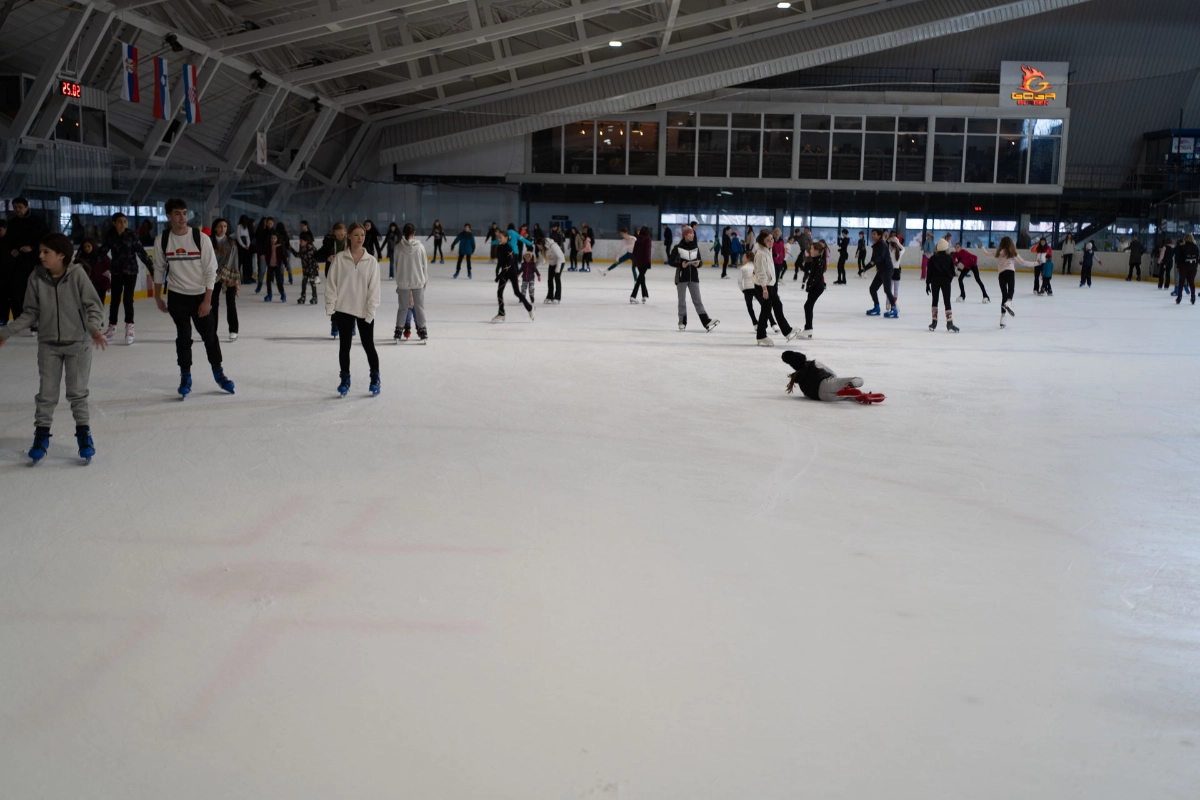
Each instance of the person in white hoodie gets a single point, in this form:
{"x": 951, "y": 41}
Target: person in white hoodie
{"x": 412, "y": 276}
{"x": 351, "y": 299}
{"x": 767, "y": 290}
{"x": 553, "y": 254}
{"x": 185, "y": 259}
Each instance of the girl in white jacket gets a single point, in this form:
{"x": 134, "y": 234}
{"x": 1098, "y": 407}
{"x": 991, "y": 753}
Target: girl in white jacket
{"x": 412, "y": 276}
{"x": 747, "y": 285}
{"x": 1007, "y": 259}
{"x": 351, "y": 298}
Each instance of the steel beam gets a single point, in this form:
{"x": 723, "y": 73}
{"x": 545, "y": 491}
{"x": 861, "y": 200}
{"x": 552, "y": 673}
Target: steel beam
{"x": 47, "y": 76}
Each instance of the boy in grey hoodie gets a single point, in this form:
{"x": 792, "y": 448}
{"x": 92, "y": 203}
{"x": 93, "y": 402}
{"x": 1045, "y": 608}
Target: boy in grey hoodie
{"x": 63, "y": 304}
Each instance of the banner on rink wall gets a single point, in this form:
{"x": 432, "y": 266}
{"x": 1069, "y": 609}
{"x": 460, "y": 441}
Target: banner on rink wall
{"x": 1033, "y": 83}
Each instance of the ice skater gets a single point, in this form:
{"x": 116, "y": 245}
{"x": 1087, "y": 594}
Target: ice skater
{"x": 881, "y": 259}
{"x": 814, "y": 283}
{"x": 529, "y": 272}
{"x": 310, "y": 267}
{"x": 412, "y": 277}
{"x": 351, "y": 300}
{"x": 185, "y": 257}
{"x": 506, "y": 273}
{"x": 62, "y": 302}
{"x": 685, "y": 258}
{"x": 465, "y": 243}
{"x": 1189, "y": 258}
{"x": 748, "y": 287}
{"x": 766, "y": 290}
{"x": 1166, "y": 262}
{"x": 1089, "y": 256}
{"x": 555, "y": 261}
{"x": 438, "y": 234}
{"x": 277, "y": 257}
{"x": 642, "y": 250}
{"x": 818, "y": 382}
{"x": 1006, "y": 269}
{"x": 229, "y": 277}
{"x": 627, "y": 244}
{"x": 843, "y": 243}
{"x": 939, "y": 276}
{"x": 1042, "y": 252}
{"x": 860, "y": 253}
{"x": 968, "y": 264}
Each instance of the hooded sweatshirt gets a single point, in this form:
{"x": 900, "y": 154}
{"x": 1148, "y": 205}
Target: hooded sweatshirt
{"x": 412, "y": 271}
{"x": 352, "y": 288}
{"x": 941, "y": 267}
{"x": 67, "y": 310}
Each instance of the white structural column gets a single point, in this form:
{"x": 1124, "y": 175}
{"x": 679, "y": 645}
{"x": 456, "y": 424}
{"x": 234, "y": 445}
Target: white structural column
{"x": 672, "y": 12}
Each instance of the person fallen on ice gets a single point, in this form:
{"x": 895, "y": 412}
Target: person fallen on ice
{"x": 818, "y": 382}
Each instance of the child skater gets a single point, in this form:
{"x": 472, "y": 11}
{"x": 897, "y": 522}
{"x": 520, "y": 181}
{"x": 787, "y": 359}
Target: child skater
{"x": 1089, "y": 256}
{"x": 528, "y": 271}
{"x": 310, "y": 268}
{"x": 62, "y": 302}
{"x": 818, "y": 382}
{"x": 1006, "y": 268}
{"x": 97, "y": 266}
{"x": 814, "y": 283}
{"x": 465, "y": 242}
{"x": 277, "y": 255}
{"x": 1047, "y": 273}
{"x": 746, "y": 284}
{"x": 351, "y": 299}
{"x": 412, "y": 276}
{"x": 939, "y": 277}
{"x": 506, "y": 272}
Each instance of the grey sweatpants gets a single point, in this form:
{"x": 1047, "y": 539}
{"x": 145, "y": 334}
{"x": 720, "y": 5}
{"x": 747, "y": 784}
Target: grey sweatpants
{"x": 829, "y": 387}
{"x": 54, "y": 360}
{"x": 694, "y": 288}
{"x": 418, "y": 306}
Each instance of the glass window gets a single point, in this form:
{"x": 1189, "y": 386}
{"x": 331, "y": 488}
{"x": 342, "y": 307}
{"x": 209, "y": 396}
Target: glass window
{"x": 823, "y": 222}
{"x": 951, "y": 125}
{"x": 910, "y": 156}
{"x": 579, "y": 147}
{"x": 913, "y": 124}
{"x": 95, "y": 127}
{"x": 747, "y": 121}
{"x": 681, "y": 119}
{"x": 777, "y": 154}
{"x": 878, "y": 152}
{"x": 847, "y": 157}
{"x": 67, "y": 129}
{"x": 947, "y": 158}
{"x": 714, "y": 120}
{"x": 681, "y": 151}
{"x": 847, "y": 123}
{"x": 743, "y": 154}
{"x": 1013, "y": 127}
{"x": 884, "y": 223}
{"x": 547, "y": 150}
{"x": 713, "y": 150}
{"x": 1043, "y": 160}
{"x": 810, "y": 122}
{"x": 981, "y": 159}
{"x": 814, "y": 155}
{"x": 731, "y": 219}
{"x": 916, "y": 224}
{"x": 643, "y": 148}
{"x": 856, "y": 222}
{"x": 610, "y": 148}
{"x": 778, "y": 122}
{"x": 759, "y": 219}
{"x": 881, "y": 124}
{"x": 1011, "y": 157}
{"x": 1047, "y": 127}
{"x": 981, "y": 126}
{"x": 1004, "y": 225}
{"x": 975, "y": 224}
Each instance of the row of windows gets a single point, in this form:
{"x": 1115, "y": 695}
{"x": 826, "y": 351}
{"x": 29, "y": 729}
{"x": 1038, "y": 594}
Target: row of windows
{"x": 82, "y": 125}
{"x": 831, "y": 147}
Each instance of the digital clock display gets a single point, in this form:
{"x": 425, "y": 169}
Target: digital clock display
{"x": 70, "y": 89}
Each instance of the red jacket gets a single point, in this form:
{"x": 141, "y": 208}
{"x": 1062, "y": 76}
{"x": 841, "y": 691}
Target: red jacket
{"x": 642, "y": 250}
{"x": 965, "y": 258}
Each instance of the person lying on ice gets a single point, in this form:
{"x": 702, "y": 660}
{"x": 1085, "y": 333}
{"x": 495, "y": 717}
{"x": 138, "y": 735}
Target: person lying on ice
{"x": 816, "y": 381}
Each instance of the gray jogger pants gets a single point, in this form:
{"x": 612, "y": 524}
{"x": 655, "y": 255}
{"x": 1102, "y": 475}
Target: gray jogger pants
{"x": 418, "y": 306}
{"x": 75, "y": 360}
{"x": 694, "y": 288}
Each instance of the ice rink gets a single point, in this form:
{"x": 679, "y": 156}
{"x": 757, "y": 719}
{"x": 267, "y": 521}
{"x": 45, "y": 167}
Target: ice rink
{"x": 591, "y": 556}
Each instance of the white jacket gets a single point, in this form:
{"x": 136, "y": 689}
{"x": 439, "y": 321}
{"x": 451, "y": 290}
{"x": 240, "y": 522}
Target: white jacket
{"x": 412, "y": 265}
{"x": 352, "y": 288}
{"x": 1068, "y": 248}
{"x": 745, "y": 277}
{"x": 764, "y": 267}
{"x": 554, "y": 254}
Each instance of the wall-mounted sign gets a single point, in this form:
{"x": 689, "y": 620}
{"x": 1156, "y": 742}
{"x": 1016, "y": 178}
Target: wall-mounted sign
{"x": 1184, "y": 145}
{"x": 70, "y": 89}
{"x": 1033, "y": 83}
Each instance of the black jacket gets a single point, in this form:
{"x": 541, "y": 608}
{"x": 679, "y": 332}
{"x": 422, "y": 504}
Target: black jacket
{"x": 843, "y": 246}
{"x": 1136, "y": 250}
{"x": 941, "y": 267}
{"x": 1189, "y": 255}
{"x": 27, "y": 231}
{"x": 726, "y": 245}
{"x": 814, "y": 271}
{"x": 881, "y": 257}
{"x": 681, "y": 254}
{"x": 806, "y": 374}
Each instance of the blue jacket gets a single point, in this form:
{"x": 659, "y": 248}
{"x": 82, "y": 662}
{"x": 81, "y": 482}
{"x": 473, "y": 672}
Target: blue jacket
{"x": 735, "y": 246}
{"x": 514, "y": 240}
{"x": 467, "y": 240}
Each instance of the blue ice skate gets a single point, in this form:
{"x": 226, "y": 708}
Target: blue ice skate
{"x": 873, "y": 312}
{"x": 185, "y": 385}
{"x": 87, "y": 448}
{"x": 222, "y": 381}
{"x": 344, "y": 386}
{"x": 41, "y": 443}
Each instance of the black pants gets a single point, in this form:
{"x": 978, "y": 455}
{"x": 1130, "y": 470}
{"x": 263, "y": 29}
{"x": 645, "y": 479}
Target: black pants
{"x": 1134, "y": 265}
{"x": 230, "y": 306}
{"x": 123, "y": 288}
{"x": 962, "y": 292}
{"x": 274, "y": 274}
{"x": 1085, "y": 274}
{"x": 1164, "y": 276}
{"x": 458, "y": 267}
{"x": 1187, "y": 283}
{"x": 1067, "y": 259}
{"x": 815, "y": 290}
{"x": 246, "y": 260}
{"x": 554, "y": 283}
{"x": 366, "y": 333}
{"x": 941, "y": 285}
{"x": 510, "y": 275}
{"x": 749, "y": 295}
{"x": 841, "y": 278}
{"x": 437, "y": 250}
{"x": 724, "y": 263}
{"x": 1037, "y": 279}
{"x": 391, "y": 255}
{"x": 18, "y": 283}
{"x": 1046, "y": 285}
{"x": 305, "y": 282}
{"x": 769, "y": 307}
{"x": 862, "y": 262}
{"x": 1008, "y": 285}
{"x": 185, "y": 312}
{"x": 574, "y": 256}
{"x": 884, "y": 280}
{"x": 640, "y": 281}
{"x": 587, "y": 261}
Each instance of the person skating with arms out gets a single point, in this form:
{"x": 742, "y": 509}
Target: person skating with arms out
{"x": 968, "y": 264}
{"x": 1089, "y": 257}
{"x": 184, "y": 257}
{"x": 506, "y": 273}
{"x": 61, "y": 300}
{"x": 881, "y": 259}
{"x": 351, "y": 300}
{"x": 1007, "y": 259}
{"x": 465, "y": 243}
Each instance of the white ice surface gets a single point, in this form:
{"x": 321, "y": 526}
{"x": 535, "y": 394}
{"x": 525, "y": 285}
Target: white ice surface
{"x": 592, "y": 556}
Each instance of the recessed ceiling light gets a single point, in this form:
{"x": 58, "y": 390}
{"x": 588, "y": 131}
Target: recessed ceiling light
{"x": 614, "y": 43}
{"x": 783, "y": 5}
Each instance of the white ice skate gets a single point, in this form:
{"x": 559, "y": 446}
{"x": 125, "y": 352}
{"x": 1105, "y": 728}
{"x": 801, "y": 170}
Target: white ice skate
{"x": 128, "y": 334}
{"x": 766, "y": 341}
{"x": 233, "y": 337}
{"x": 498, "y": 318}
{"x": 531, "y": 313}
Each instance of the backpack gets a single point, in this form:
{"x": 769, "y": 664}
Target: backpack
{"x": 166, "y": 237}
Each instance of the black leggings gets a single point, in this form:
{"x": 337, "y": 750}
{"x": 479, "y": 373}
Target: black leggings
{"x": 1067, "y": 259}
{"x": 641, "y": 281}
{"x": 941, "y": 285}
{"x": 1085, "y": 274}
{"x": 962, "y": 292}
{"x": 508, "y": 275}
{"x": 724, "y": 263}
{"x": 458, "y": 267}
{"x": 842, "y": 267}
{"x": 437, "y": 250}
{"x": 230, "y": 306}
{"x": 554, "y": 283}
{"x": 123, "y": 288}
{"x": 862, "y": 262}
{"x": 366, "y": 334}
{"x": 1008, "y": 285}
{"x": 886, "y": 283}
{"x": 1187, "y": 283}
{"x": 587, "y": 261}
{"x": 275, "y": 274}
{"x": 749, "y": 295}
{"x": 815, "y": 290}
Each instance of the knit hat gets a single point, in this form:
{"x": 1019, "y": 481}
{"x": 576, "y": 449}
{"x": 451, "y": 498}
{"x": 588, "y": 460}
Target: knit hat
{"x": 685, "y": 230}
{"x": 942, "y": 245}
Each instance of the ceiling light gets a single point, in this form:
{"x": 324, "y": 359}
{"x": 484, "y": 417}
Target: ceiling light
{"x": 726, "y": 193}
{"x": 783, "y": 5}
{"x": 614, "y": 43}
{"x": 599, "y": 203}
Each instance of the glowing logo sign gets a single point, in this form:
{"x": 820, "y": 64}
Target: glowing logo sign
{"x": 1037, "y": 84}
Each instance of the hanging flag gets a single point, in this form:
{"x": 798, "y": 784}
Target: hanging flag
{"x": 162, "y": 92}
{"x": 129, "y": 88}
{"x": 191, "y": 94}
